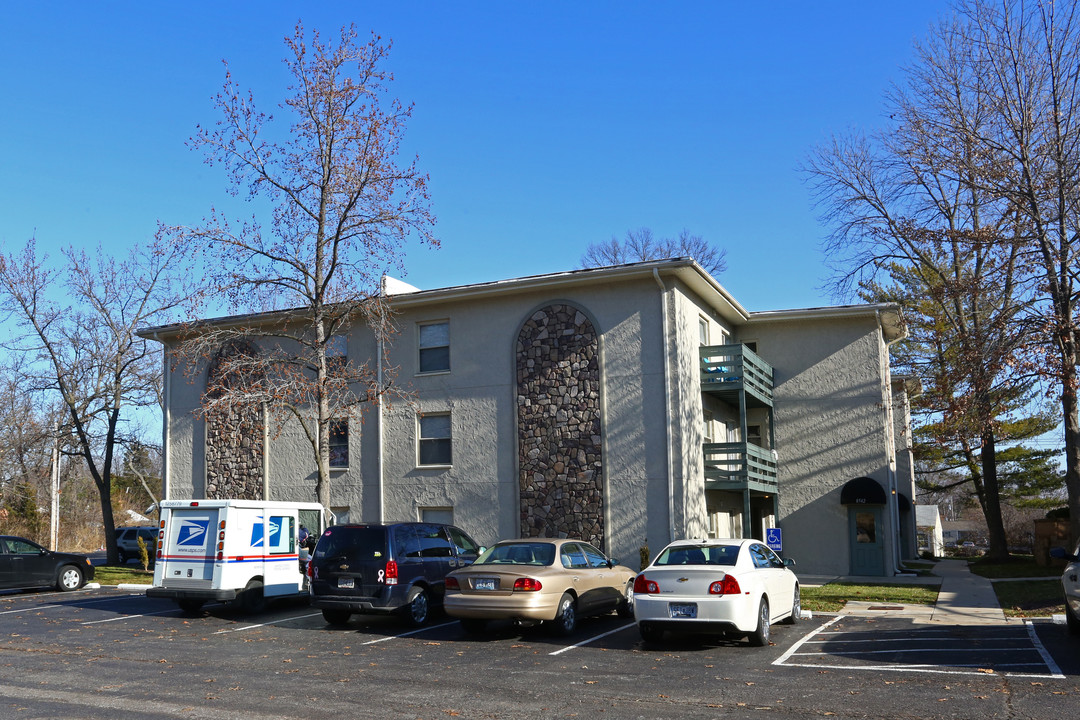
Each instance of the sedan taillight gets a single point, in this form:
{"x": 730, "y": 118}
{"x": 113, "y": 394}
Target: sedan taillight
{"x": 728, "y": 586}
{"x": 527, "y": 584}
{"x": 644, "y": 586}
{"x": 452, "y": 583}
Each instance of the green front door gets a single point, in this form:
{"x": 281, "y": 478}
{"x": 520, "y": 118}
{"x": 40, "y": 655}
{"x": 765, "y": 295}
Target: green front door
{"x": 867, "y": 540}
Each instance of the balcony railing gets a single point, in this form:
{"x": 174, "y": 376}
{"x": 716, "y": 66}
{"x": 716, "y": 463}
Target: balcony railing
{"x": 735, "y": 466}
{"x": 736, "y": 367}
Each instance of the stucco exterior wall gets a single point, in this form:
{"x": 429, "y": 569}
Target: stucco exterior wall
{"x": 830, "y": 407}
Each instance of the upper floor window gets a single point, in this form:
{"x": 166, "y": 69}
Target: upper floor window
{"x": 339, "y": 443}
{"x": 435, "y": 440}
{"x": 337, "y": 352}
{"x": 703, "y": 331}
{"x": 434, "y": 338}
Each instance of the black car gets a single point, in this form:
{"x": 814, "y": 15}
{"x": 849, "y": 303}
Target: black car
{"x": 25, "y": 564}
{"x": 386, "y": 568}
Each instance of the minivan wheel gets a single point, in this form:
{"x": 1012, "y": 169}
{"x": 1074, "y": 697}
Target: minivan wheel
{"x": 121, "y": 557}
{"x": 416, "y": 611}
{"x": 336, "y": 617}
{"x": 566, "y": 619}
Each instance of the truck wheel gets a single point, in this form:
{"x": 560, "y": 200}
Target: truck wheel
{"x": 70, "y": 578}
{"x": 416, "y": 611}
{"x": 251, "y": 597}
{"x": 336, "y": 617}
{"x": 191, "y": 607}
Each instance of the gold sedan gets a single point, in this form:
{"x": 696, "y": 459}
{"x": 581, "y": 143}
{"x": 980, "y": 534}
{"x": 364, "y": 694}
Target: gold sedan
{"x": 536, "y": 580}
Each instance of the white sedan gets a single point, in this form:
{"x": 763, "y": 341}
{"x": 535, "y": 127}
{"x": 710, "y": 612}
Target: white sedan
{"x": 725, "y": 587}
{"x": 1070, "y": 586}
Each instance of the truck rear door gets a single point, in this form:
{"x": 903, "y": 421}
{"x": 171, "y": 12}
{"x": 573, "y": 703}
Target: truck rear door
{"x": 189, "y": 549}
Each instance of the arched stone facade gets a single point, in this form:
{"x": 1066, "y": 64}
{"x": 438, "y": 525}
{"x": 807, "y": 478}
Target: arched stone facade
{"x": 234, "y": 440}
{"x": 558, "y": 421}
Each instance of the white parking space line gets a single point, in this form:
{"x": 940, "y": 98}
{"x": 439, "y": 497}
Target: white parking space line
{"x": 411, "y": 632}
{"x": 81, "y": 602}
{"x": 592, "y": 639}
{"x": 274, "y": 622}
{"x": 1050, "y": 664}
{"x": 129, "y": 617}
{"x": 801, "y": 649}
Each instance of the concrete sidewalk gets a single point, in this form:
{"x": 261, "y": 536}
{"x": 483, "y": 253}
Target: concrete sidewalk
{"x": 963, "y": 597}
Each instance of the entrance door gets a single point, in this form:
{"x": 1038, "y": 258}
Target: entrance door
{"x": 867, "y": 540}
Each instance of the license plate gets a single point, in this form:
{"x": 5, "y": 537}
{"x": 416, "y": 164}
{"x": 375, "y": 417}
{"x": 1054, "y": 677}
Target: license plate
{"x": 346, "y": 583}
{"x": 682, "y": 611}
{"x": 485, "y": 584}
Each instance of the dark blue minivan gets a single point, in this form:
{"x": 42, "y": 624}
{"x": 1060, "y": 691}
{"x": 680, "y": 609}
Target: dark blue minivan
{"x": 386, "y": 568}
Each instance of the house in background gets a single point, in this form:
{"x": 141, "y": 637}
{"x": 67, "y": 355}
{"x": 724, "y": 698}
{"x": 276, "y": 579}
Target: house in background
{"x": 931, "y": 535}
{"x": 628, "y": 406}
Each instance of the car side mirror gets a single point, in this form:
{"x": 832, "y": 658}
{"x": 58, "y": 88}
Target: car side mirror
{"x": 788, "y": 562}
{"x": 612, "y": 562}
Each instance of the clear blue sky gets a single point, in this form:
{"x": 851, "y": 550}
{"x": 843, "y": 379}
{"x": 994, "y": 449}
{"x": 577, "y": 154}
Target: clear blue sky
{"x": 543, "y": 126}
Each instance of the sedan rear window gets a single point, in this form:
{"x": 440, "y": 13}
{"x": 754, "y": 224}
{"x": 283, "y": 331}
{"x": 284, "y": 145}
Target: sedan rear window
{"x": 706, "y": 555}
{"x": 519, "y": 554}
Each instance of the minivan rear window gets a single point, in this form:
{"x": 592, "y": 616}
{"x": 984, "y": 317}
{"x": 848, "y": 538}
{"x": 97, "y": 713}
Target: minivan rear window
{"x": 361, "y": 543}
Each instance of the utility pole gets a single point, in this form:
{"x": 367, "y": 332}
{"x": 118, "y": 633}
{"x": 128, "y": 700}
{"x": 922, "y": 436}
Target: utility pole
{"x": 54, "y": 492}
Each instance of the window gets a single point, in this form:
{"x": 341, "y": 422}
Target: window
{"x": 337, "y": 353}
{"x": 435, "y": 440}
{"x": 443, "y": 515}
{"x": 753, "y": 435}
{"x": 339, "y": 443}
{"x": 708, "y": 418}
{"x": 703, "y": 331}
{"x": 434, "y": 347}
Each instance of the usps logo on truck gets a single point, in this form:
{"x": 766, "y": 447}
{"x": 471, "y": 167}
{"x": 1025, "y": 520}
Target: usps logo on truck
{"x": 258, "y": 533}
{"x": 191, "y": 535}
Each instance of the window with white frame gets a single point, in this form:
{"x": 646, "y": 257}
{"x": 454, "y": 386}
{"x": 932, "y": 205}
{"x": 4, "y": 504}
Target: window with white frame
{"x": 703, "y": 330}
{"x": 435, "y": 439}
{"x": 434, "y": 344}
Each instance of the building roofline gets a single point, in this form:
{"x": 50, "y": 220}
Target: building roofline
{"x": 684, "y": 269}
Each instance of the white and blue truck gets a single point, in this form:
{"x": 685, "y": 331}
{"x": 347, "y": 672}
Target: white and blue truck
{"x": 239, "y": 551}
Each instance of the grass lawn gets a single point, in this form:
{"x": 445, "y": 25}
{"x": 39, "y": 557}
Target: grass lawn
{"x": 115, "y": 575}
{"x": 1030, "y": 598}
{"x": 831, "y": 597}
{"x": 1018, "y": 566}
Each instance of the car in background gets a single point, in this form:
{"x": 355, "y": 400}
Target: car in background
{"x": 127, "y": 542}
{"x": 536, "y": 580}
{"x": 733, "y": 587}
{"x": 1070, "y": 586}
{"x": 25, "y": 564}
{"x": 397, "y": 568}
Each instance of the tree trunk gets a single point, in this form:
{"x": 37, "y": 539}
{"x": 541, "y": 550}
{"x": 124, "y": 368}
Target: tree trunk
{"x": 991, "y": 496}
{"x": 1072, "y": 449}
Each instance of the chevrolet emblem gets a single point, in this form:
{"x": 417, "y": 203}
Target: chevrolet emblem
{"x": 343, "y": 567}
{"x": 684, "y": 579}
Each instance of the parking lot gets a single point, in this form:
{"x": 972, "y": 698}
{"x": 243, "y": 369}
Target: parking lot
{"x": 107, "y": 653}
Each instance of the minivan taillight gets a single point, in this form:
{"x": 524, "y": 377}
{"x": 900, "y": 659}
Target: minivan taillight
{"x": 390, "y": 575}
{"x": 728, "y": 586}
{"x": 646, "y": 587}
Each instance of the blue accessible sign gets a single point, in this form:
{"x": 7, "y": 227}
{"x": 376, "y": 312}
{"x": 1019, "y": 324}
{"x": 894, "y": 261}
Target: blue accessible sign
{"x": 774, "y": 539}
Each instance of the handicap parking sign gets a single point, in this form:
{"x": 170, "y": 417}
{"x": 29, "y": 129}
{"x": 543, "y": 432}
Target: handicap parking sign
{"x": 774, "y": 539}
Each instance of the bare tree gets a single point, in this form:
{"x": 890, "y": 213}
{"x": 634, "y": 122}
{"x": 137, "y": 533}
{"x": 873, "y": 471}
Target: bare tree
{"x": 983, "y": 148}
{"x": 83, "y": 353}
{"x": 641, "y": 245}
{"x": 343, "y": 206}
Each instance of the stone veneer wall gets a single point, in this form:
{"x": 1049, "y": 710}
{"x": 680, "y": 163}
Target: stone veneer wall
{"x": 558, "y": 412}
{"x": 234, "y": 443}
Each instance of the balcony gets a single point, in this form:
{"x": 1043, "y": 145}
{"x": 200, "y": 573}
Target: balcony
{"x": 727, "y": 370}
{"x": 739, "y": 466}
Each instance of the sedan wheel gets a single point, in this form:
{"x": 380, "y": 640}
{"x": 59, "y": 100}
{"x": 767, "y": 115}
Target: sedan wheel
{"x": 626, "y": 605}
{"x": 760, "y": 637}
{"x": 70, "y": 578}
{"x": 796, "y": 609}
{"x": 566, "y": 620}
